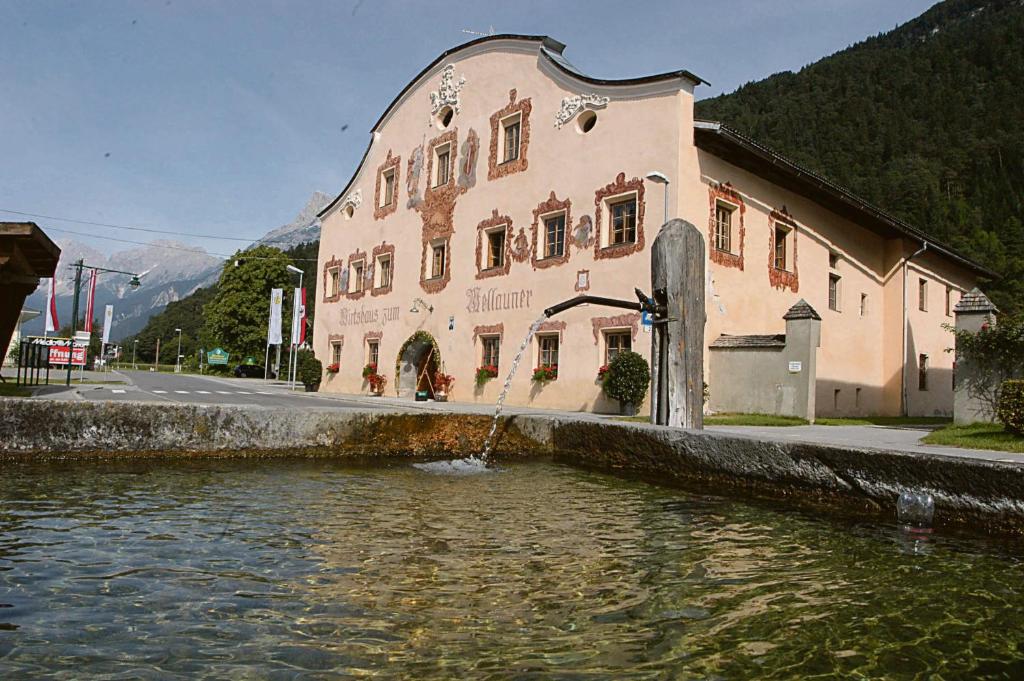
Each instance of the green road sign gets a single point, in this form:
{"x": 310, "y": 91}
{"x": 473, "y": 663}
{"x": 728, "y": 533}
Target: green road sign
{"x": 217, "y": 356}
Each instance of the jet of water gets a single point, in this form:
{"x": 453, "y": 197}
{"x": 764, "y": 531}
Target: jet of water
{"x": 488, "y": 443}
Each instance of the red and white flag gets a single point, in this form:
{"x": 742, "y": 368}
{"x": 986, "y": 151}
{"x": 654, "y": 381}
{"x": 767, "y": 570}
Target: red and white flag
{"x": 89, "y": 303}
{"x": 51, "y": 308}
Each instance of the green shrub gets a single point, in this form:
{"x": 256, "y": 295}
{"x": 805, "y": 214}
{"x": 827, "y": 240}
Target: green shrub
{"x": 1011, "y": 406}
{"x": 627, "y": 379}
{"x": 309, "y": 370}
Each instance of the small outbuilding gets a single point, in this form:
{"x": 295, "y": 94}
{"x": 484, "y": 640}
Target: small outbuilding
{"x": 26, "y": 256}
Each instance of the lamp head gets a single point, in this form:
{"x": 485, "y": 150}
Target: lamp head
{"x": 659, "y": 177}
{"x": 292, "y": 268}
{"x": 135, "y": 283}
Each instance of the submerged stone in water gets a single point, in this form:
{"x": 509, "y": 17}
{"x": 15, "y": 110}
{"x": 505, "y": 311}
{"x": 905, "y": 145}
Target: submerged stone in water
{"x": 467, "y": 466}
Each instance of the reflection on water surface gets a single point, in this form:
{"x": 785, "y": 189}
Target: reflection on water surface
{"x": 318, "y": 570}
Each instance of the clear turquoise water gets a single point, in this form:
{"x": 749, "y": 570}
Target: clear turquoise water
{"x": 290, "y": 569}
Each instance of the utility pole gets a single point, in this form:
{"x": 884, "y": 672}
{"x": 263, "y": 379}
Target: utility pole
{"x": 74, "y": 317}
{"x": 156, "y": 363}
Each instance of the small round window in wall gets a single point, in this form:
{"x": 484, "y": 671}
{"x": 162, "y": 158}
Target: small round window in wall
{"x": 444, "y": 117}
{"x": 586, "y": 121}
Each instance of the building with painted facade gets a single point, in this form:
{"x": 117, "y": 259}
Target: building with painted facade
{"x": 501, "y": 180}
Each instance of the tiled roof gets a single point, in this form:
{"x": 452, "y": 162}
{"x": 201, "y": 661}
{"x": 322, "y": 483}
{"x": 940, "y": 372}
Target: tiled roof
{"x": 777, "y": 340}
{"x": 802, "y": 310}
{"x": 975, "y": 301}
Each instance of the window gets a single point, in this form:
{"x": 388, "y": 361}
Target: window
{"x": 623, "y": 222}
{"x": 548, "y": 346}
{"x": 372, "y": 351}
{"x": 616, "y": 342}
{"x": 780, "y": 248}
{"x": 922, "y": 295}
{"x": 438, "y": 261}
{"x": 496, "y": 248}
{"x": 384, "y": 271}
{"x": 492, "y": 350}
{"x": 723, "y": 227}
{"x": 863, "y": 304}
{"x": 833, "y": 260}
{"x": 512, "y": 127}
{"x": 355, "y": 277}
{"x": 922, "y": 372}
{"x": 389, "y": 188}
{"x": 834, "y": 292}
{"x": 554, "y": 236}
{"x": 443, "y": 158}
{"x": 335, "y": 282}
{"x": 335, "y": 352}
{"x": 949, "y": 301}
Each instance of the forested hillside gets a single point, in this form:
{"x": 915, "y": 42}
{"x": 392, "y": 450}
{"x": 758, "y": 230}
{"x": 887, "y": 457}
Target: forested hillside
{"x": 926, "y": 121}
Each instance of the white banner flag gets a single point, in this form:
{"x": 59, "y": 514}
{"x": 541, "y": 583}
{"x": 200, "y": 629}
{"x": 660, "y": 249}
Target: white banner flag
{"x": 298, "y": 317}
{"x": 274, "y": 330}
{"x": 108, "y": 320}
{"x": 51, "y": 308}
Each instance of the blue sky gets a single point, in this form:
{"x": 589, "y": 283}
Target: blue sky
{"x": 222, "y": 118}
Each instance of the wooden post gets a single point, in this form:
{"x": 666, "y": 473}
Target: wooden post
{"x": 677, "y": 345}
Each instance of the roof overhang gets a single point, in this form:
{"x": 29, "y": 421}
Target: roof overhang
{"x": 744, "y": 152}
{"x": 37, "y": 254}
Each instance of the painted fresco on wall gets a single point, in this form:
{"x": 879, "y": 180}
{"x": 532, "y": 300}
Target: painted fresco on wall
{"x": 468, "y": 155}
{"x": 583, "y": 233}
{"x": 412, "y": 177}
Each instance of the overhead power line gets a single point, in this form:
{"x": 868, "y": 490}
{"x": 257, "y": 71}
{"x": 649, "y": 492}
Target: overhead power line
{"x": 196, "y": 249}
{"x": 133, "y": 229}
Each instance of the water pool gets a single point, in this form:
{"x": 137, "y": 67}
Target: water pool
{"x": 297, "y": 569}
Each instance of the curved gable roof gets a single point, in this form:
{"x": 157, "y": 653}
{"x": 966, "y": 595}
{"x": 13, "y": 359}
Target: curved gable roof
{"x": 548, "y": 48}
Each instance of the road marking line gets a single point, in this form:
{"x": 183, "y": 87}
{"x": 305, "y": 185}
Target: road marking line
{"x": 181, "y": 392}
{"x": 203, "y": 392}
{"x": 160, "y": 392}
{"x": 242, "y": 392}
{"x": 264, "y": 392}
{"x": 223, "y": 392}
{"x": 119, "y": 392}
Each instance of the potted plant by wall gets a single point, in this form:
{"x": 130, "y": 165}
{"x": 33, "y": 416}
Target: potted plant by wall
{"x": 443, "y": 386}
{"x": 309, "y": 370}
{"x": 377, "y": 383}
{"x": 485, "y": 373}
{"x": 544, "y": 374}
{"x": 627, "y": 380}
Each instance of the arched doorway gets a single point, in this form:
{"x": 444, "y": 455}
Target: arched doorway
{"x": 418, "y": 360}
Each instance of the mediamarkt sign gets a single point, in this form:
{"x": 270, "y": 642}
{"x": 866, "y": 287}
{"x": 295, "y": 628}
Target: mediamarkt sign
{"x": 59, "y": 351}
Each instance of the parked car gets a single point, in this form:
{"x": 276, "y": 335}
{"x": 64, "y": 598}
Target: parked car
{"x": 250, "y": 371}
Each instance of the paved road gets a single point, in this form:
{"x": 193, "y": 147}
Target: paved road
{"x": 146, "y": 386}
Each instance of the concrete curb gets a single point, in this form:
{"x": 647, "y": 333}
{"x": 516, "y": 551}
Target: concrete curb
{"x": 979, "y": 495}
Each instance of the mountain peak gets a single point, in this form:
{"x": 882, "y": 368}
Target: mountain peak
{"x": 303, "y": 229}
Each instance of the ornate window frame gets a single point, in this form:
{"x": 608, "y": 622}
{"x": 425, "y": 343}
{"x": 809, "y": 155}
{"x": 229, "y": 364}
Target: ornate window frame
{"x": 435, "y": 284}
{"x": 552, "y": 206}
{"x": 332, "y": 264}
{"x": 725, "y": 193}
{"x": 485, "y": 227}
{"x": 383, "y": 249}
{"x": 781, "y": 279}
{"x": 391, "y": 163}
{"x": 353, "y": 258}
{"x": 332, "y": 340}
{"x": 603, "y": 197}
{"x": 624, "y": 322}
{"x": 451, "y": 139}
{"x": 496, "y": 169}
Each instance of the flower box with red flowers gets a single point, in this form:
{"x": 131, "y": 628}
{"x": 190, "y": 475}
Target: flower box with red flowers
{"x": 333, "y": 368}
{"x": 486, "y": 373}
{"x": 543, "y": 374}
{"x": 369, "y": 370}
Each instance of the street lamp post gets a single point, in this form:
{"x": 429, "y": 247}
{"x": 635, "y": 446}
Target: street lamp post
{"x": 660, "y": 178}
{"x": 135, "y": 344}
{"x": 78, "y": 267}
{"x": 293, "y": 353}
{"x": 177, "y": 360}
